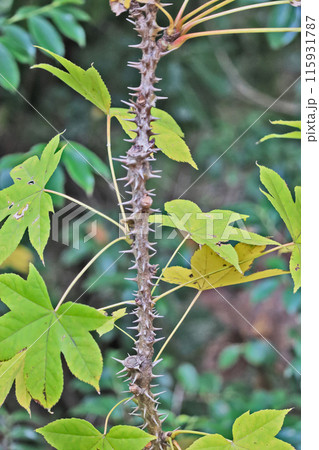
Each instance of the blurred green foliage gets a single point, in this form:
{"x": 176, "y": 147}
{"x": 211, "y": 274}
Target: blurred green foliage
{"x": 219, "y": 91}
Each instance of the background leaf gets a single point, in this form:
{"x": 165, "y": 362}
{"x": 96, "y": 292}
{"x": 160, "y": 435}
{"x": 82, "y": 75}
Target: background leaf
{"x": 9, "y": 71}
{"x": 19, "y": 43}
{"x": 45, "y": 35}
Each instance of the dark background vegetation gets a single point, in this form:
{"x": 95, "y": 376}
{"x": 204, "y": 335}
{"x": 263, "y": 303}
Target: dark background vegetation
{"x": 217, "y": 366}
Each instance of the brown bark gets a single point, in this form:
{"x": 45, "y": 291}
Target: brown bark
{"x": 138, "y": 165}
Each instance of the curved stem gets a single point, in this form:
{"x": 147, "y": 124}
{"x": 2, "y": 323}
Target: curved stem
{"x": 181, "y": 12}
{"x": 176, "y": 445}
{"x": 214, "y": 8}
{"x": 185, "y": 38}
{"x": 123, "y": 331}
{"x": 109, "y": 414}
{"x": 89, "y": 264}
{"x": 178, "y": 325}
{"x": 109, "y": 154}
{"x": 167, "y": 14}
{"x": 279, "y": 247}
{"x": 187, "y": 26}
{"x": 129, "y": 302}
{"x": 195, "y": 11}
{"x": 177, "y": 432}
{"x": 86, "y": 206}
{"x": 169, "y": 261}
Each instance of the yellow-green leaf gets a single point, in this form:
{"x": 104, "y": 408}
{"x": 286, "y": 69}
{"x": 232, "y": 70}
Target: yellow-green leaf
{"x": 88, "y": 82}
{"x": 110, "y": 321}
{"x": 255, "y": 431}
{"x": 290, "y": 135}
{"x": 10, "y": 371}
{"x": 208, "y": 270}
{"x": 212, "y": 228}
{"x": 295, "y": 266}
{"x": 168, "y": 135}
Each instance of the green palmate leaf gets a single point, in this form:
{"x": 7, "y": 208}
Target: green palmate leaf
{"x": 45, "y": 35}
{"x": 290, "y": 135}
{"x": 78, "y": 434}
{"x": 80, "y": 163}
{"x": 289, "y": 210}
{"x": 26, "y": 205}
{"x": 19, "y": 43}
{"x": 168, "y": 135}
{"x": 255, "y": 431}
{"x": 44, "y": 334}
{"x": 10, "y": 371}
{"x": 110, "y": 321}
{"x": 208, "y": 270}
{"x": 88, "y": 82}
{"x": 212, "y": 228}
{"x": 9, "y": 71}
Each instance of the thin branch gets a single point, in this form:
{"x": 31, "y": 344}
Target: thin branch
{"x": 176, "y": 445}
{"x": 180, "y": 41}
{"x": 167, "y": 14}
{"x": 169, "y": 261}
{"x": 181, "y": 11}
{"x": 109, "y": 414}
{"x": 99, "y": 213}
{"x": 186, "y": 27}
{"x": 89, "y": 264}
{"x": 128, "y": 302}
{"x": 177, "y": 432}
{"x": 195, "y": 11}
{"x": 123, "y": 331}
{"x": 210, "y": 10}
{"x": 178, "y": 325}
{"x": 109, "y": 154}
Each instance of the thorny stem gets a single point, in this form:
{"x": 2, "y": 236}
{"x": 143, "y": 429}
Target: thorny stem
{"x": 110, "y": 412}
{"x": 85, "y": 268}
{"x": 186, "y": 27}
{"x": 109, "y": 154}
{"x": 137, "y": 163}
{"x": 99, "y": 213}
{"x": 178, "y": 325}
{"x": 169, "y": 261}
